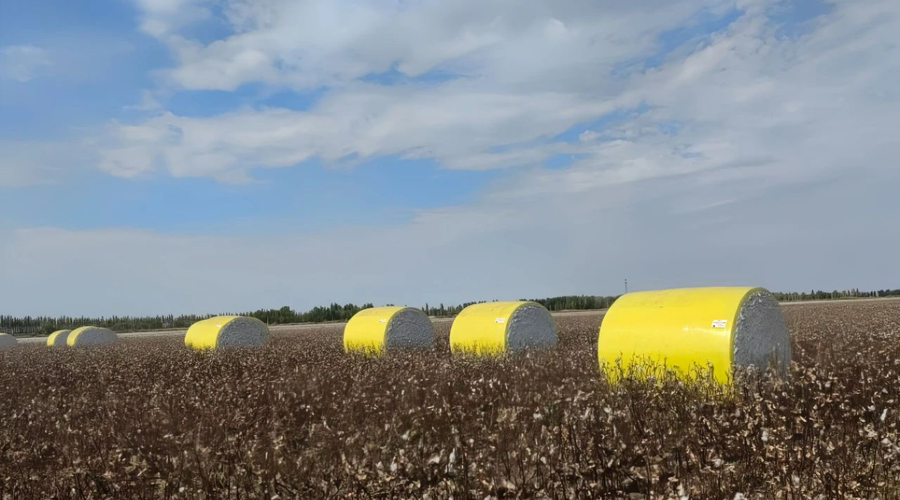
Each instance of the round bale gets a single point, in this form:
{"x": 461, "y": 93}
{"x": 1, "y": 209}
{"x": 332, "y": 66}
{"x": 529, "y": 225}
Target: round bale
{"x": 227, "y": 331}
{"x": 7, "y": 340}
{"x": 90, "y": 336}
{"x": 58, "y": 338}
{"x": 379, "y": 329}
{"x": 690, "y": 329}
{"x": 493, "y": 328}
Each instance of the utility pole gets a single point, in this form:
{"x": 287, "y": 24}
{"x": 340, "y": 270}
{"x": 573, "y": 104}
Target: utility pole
{"x": 626, "y": 285}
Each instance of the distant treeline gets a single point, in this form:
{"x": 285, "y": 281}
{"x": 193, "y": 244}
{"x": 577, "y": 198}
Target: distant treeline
{"x": 46, "y": 325}
{"x": 336, "y": 312}
{"x": 579, "y": 302}
{"x": 843, "y": 294}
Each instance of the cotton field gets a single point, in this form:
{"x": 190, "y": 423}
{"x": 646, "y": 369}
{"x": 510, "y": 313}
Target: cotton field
{"x": 301, "y": 418}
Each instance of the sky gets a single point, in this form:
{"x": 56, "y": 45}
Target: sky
{"x": 198, "y": 156}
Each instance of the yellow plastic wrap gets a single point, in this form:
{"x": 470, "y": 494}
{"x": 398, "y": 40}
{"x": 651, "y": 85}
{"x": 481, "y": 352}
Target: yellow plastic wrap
{"x": 73, "y": 335}
{"x": 365, "y": 332}
{"x": 681, "y": 329}
{"x": 205, "y": 334}
{"x": 481, "y": 328}
{"x": 52, "y": 339}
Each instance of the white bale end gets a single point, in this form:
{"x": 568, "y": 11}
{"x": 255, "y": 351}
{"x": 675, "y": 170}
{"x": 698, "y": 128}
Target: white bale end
{"x": 409, "y": 328}
{"x": 530, "y": 327}
{"x": 243, "y": 332}
{"x": 7, "y": 341}
{"x": 760, "y": 334}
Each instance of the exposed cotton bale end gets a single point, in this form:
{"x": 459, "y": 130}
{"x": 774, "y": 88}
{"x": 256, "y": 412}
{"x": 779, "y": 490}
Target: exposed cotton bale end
{"x": 7, "y": 340}
{"x": 58, "y": 338}
{"x": 689, "y": 330}
{"x": 492, "y": 328}
{"x": 380, "y": 329}
{"x": 91, "y": 335}
{"x": 227, "y": 331}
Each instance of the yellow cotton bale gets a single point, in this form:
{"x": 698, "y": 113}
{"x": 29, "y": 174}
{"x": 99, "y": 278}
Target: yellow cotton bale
{"x": 227, "y": 331}
{"x": 7, "y": 340}
{"x": 379, "y": 329}
{"x": 690, "y": 329}
{"x": 58, "y": 338}
{"x": 91, "y": 336}
{"x": 493, "y": 328}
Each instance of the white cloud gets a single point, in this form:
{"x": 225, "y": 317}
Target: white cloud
{"x": 160, "y": 17}
{"x": 24, "y": 163}
{"x": 148, "y": 102}
{"x": 529, "y": 44}
{"x": 749, "y": 157}
{"x": 748, "y": 97}
{"x": 656, "y": 234}
{"x": 456, "y": 124}
{"x": 23, "y": 63}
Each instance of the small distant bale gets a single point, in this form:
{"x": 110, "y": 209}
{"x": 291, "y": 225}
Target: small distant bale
{"x": 58, "y": 338}
{"x": 91, "y": 336}
{"x": 688, "y": 330}
{"x": 7, "y": 340}
{"x": 379, "y": 329}
{"x": 227, "y": 331}
{"x": 492, "y": 328}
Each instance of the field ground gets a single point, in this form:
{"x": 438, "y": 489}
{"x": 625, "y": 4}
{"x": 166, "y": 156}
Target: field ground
{"x": 148, "y": 418}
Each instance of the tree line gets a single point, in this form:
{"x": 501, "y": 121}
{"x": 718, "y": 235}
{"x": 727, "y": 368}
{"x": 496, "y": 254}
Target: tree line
{"x": 44, "y": 325}
{"x": 833, "y": 295}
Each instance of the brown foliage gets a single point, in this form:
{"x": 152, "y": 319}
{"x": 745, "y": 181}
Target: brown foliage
{"x": 299, "y": 419}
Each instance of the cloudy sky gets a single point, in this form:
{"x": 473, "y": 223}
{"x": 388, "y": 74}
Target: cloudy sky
{"x": 173, "y": 156}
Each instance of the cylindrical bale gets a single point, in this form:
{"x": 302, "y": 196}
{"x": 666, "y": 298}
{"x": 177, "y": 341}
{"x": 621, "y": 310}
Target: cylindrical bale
{"x": 58, "y": 338}
{"x": 227, "y": 331}
{"x": 493, "y": 328}
{"x": 379, "y": 329}
{"x": 7, "y": 340}
{"x": 689, "y": 330}
{"x": 90, "y": 336}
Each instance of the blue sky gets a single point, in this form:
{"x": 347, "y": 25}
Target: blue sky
{"x": 198, "y": 156}
{"x": 54, "y": 106}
